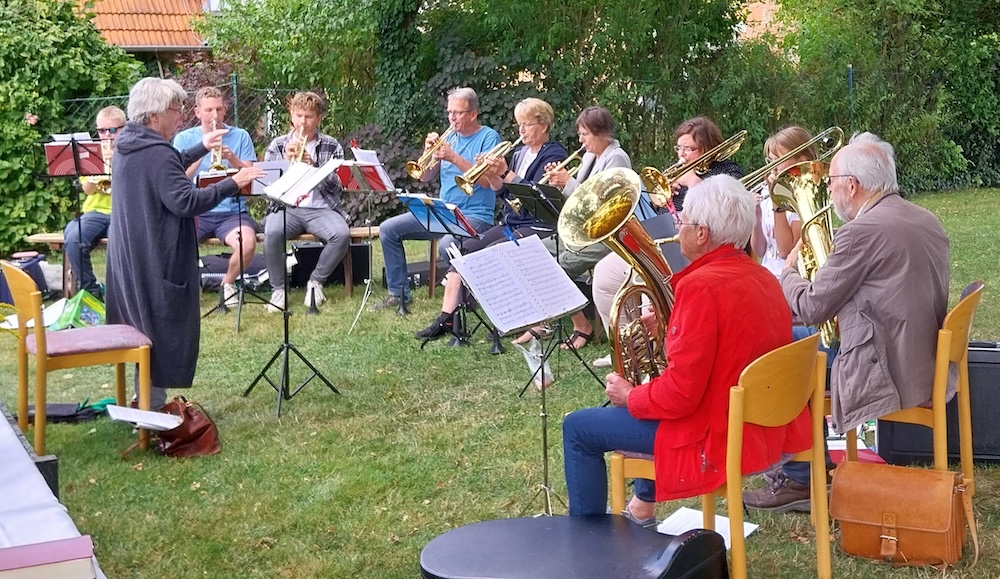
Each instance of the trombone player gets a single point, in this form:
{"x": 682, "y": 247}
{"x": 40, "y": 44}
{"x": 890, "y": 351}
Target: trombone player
{"x": 449, "y": 158}
{"x": 229, "y": 220}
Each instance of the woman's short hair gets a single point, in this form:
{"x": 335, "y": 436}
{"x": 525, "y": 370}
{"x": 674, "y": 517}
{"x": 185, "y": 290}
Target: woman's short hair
{"x": 153, "y": 96}
{"x": 704, "y": 132}
{"x": 787, "y": 139}
{"x": 871, "y": 161}
{"x": 308, "y": 101}
{"x": 598, "y": 121}
{"x": 466, "y": 94}
{"x": 724, "y": 205}
{"x": 534, "y": 110}
{"x": 113, "y": 114}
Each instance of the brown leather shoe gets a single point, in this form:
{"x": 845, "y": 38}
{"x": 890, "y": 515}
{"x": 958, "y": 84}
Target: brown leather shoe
{"x": 781, "y": 496}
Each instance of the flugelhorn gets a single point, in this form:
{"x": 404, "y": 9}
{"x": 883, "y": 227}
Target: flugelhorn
{"x": 577, "y": 154}
{"x": 467, "y": 181}
{"x": 660, "y": 183}
{"x": 300, "y": 139}
{"x": 416, "y": 169}
{"x": 215, "y": 162}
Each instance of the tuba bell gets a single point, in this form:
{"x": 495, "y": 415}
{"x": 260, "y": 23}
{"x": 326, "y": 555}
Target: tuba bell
{"x": 602, "y": 209}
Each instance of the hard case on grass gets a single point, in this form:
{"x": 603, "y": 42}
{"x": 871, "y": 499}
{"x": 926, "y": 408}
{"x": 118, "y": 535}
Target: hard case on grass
{"x": 900, "y": 443}
{"x": 419, "y": 273}
{"x": 307, "y": 254}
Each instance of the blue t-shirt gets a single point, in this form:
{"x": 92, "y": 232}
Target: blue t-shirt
{"x": 238, "y": 141}
{"x": 480, "y": 205}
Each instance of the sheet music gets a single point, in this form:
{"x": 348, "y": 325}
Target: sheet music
{"x": 66, "y": 137}
{"x": 436, "y": 215}
{"x": 370, "y": 157}
{"x": 300, "y": 178}
{"x": 685, "y": 519}
{"x": 144, "y": 418}
{"x": 519, "y": 284}
{"x": 273, "y": 170}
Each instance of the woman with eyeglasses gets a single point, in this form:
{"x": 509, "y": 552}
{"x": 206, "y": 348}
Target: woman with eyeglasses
{"x": 695, "y": 137}
{"x": 534, "y": 118}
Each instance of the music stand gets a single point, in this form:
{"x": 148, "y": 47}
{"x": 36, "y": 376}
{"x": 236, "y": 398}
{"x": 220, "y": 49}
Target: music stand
{"x": 282, "y": 388}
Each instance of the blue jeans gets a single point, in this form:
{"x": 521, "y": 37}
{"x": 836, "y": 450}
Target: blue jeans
{"x": 392, "y": 233}
{"x": 587, "y": 435}
{"x": 80, "y": 236}
{"x": 795, "y": 470}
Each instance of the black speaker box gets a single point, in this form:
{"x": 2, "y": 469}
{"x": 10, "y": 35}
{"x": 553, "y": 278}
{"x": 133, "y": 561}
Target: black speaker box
{"x": 419, "y": 273}
{"x": 900, "y": 443}
{"x": 307, "y": 254}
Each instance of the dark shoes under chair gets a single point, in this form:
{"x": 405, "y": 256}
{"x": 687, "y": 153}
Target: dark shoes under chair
{"x": 443, "y": 325}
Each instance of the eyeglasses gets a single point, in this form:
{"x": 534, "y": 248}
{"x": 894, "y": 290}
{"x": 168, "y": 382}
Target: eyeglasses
{"x": 835, "y": 176}
{"x": 526, "y": 125}
{"x": 178, "y": 110}
{"x": 692, "y": 224}
{"x": 108, "y": 131}
{"x": 684, "y": 149}
{"x": 456, "y": 113}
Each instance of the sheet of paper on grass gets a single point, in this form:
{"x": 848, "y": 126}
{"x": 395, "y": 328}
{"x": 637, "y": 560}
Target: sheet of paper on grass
{"x": 685, "y": 519}
{"x": 49, "y": 316}
{"x": 144, "y": 418}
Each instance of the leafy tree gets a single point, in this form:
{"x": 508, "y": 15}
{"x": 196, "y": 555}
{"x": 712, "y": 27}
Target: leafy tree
{"x": 48, "y": 53}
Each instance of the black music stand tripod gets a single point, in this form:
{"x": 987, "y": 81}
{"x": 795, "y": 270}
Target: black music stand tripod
{"x": 285, "y": 350}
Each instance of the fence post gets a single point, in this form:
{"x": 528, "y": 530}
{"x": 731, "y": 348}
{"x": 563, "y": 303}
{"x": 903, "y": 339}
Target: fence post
{"x": 234, "y": 80}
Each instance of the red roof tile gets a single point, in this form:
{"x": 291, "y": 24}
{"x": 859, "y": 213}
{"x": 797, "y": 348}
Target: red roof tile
{"x": 147, "y": 25}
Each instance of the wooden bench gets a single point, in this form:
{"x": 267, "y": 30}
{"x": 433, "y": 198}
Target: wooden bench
{"x": 56, "y": 242}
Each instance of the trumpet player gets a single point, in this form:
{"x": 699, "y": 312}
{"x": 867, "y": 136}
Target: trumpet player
{"x": 452, "y": 158}
{"x": 229, "y": 220}
{"x": 534, "y": 119}
{"x": 319, "y": 213}
{"x": 92, "y": 224}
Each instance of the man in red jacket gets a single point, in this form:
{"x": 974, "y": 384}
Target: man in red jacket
{"x": 728, "y": 311}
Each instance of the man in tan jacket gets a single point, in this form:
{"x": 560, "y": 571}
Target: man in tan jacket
{"x": 887, "y": 282}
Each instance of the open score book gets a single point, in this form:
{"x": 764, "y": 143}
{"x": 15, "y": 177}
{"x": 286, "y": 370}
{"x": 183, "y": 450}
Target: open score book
{"x": 519, "y": 284}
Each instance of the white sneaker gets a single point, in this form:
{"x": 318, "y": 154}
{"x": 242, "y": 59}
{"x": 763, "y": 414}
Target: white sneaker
{"x": 232, "y": 294}
{"x": 277, "y": 301}
{"x": 604, "y": 362}
{"x": 314, "y": 291}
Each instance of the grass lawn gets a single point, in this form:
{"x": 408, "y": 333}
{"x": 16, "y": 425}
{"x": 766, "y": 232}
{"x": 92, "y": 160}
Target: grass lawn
{"x": 419, "y": 442}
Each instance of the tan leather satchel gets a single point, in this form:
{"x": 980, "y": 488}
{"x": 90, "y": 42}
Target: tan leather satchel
{"x": 902, "y": 515}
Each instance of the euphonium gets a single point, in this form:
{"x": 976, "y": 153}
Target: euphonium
{"x": 603, "y": 209}
{"x": 467, "y": 181}
{"x": 803, "y": 188}
{"x": 300, "y": 138}
{"x": 216, "y": 159}
{"x": 577, "y": 154}
{"x": 416, "y": 169}
{"x": 660, "y": 183}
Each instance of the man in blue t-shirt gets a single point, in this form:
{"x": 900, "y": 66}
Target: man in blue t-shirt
{"x": 229, "y": 220}
{"x": 453, "y": 158}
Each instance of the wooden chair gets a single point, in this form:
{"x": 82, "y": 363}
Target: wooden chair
{"x": 771, "y": 392}
{"x": 952, "y": 346}
{"x": 75, "y": 348}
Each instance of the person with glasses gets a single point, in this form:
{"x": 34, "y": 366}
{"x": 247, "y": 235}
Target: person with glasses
{"x": 534, "y": 119}
{"x": 887, "y": 282}
{"x": 83, "y": 232}
{"x": 728, "y": 311}
{"x": 320, "y": 212}
{"x": 229, "y": 220}
{"x": 695, "y": 137}
{"x": 153, "y": 281}
{"x": 455, "y": 157}
{"x": 596, "y": 130}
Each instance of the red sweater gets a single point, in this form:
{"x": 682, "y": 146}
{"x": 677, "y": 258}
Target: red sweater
{"x": 728, "y": 311}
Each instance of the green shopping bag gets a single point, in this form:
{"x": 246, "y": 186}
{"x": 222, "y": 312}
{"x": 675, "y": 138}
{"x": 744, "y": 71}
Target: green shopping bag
{"x": 81, "y": 311}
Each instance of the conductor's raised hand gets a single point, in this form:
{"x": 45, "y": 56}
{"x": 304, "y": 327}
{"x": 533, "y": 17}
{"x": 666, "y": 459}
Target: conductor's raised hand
{"x": 213, "y": 139}
{"x": 246, "y": 175}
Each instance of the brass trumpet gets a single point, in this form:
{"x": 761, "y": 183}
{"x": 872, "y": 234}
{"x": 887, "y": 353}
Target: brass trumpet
{"x": 216, "y": 158}
{"x": 103, "y": 182}
{"x": 300, "y": 138}
{"x": 660, "y": 183}
{"x": 416, "y": 169}
{"x": 467, "y": 181}
{"x": 577, "y": 154}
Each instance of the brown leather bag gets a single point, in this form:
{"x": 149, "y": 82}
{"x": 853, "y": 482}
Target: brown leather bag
{"x": 902, "y": 515}
{"x": 195, "y": 436}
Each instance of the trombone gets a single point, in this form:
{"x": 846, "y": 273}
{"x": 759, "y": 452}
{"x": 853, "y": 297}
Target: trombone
{"x": 416, "y": 169}
{"x": 661, "y": 182}
{"x": 216, "y": 159}
{"x": 577, "y": 154}
{"x": 467, "y": 180}
{"x": 759, "y": 177}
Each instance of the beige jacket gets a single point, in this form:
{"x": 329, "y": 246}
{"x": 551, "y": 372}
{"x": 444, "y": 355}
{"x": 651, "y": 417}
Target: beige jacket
{"x": 887, "y": 282}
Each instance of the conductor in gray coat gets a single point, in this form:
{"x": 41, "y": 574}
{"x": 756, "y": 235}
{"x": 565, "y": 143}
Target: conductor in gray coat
{"x": 152, "y": 263}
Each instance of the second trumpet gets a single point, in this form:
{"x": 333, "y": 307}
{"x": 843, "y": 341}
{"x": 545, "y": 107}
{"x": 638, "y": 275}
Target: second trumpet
{"x": 467, "y": 181}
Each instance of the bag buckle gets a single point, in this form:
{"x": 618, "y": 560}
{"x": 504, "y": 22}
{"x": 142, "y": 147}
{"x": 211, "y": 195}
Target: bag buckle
{"x": 889, "y": 540}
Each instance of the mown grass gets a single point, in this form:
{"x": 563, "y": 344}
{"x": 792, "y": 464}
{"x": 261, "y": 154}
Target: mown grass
{"x": 418, "y": 442}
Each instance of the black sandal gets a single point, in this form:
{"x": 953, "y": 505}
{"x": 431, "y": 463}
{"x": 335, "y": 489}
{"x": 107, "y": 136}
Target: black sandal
{"x": 540, "y": 334}
{"x": 568, "y": 344}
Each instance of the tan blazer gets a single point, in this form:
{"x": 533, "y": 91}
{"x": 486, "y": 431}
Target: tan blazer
{"x": 887, "y": 282}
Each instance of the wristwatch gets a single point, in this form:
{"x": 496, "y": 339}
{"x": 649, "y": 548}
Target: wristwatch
{"x": 505, "y": 173}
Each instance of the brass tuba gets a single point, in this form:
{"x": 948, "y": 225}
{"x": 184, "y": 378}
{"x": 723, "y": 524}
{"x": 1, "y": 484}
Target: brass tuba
{"x": 603, "y": 209}
{"x": 416, "y": 169}
{"x": 659, "y": 184}
{"x": 467, "y": 181}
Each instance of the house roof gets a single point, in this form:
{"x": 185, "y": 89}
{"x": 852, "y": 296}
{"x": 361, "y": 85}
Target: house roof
{"x": 148, "y": 25}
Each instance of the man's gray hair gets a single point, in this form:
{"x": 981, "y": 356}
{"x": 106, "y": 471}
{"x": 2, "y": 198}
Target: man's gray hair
{"x": 151, "y": 96}
{"x": 871, "y": 161}
{"x": 724, "y": 205}
{"x": 466, "y": 94}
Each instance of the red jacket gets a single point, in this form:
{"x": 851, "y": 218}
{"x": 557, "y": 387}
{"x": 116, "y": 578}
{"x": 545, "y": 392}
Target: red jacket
{"x": 728, "y": 311}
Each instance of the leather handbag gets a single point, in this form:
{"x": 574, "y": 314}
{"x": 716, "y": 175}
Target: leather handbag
{"x": 902, "y": 515}
{"x": 196, "y": 435}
